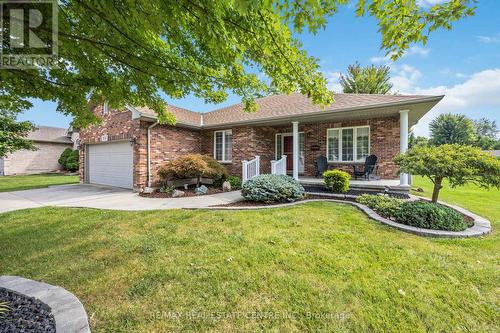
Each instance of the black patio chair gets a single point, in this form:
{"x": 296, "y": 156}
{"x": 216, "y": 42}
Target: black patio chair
{"x": 369, "y": 169}
{"x": 321, "y": 165}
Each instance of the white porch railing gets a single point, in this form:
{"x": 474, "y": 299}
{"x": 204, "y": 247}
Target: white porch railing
{"x": 251, "y": 168}
{"x": 279, "y": 167}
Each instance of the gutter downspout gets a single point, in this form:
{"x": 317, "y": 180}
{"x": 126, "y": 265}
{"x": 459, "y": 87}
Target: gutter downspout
{"x": 149, "y": 153}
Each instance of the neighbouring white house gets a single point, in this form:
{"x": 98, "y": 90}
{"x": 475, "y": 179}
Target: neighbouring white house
{"x": 50, "y": 143}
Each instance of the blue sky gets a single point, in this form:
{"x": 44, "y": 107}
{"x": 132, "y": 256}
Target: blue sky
{"x": 463, "y": 64}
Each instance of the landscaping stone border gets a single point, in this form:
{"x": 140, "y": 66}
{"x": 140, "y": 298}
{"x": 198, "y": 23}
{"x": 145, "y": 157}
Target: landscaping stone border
{"x": 481, "y": 225}
{"x": 68, "y": 311}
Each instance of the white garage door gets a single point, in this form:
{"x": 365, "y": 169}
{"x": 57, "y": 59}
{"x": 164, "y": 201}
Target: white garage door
{"x": 111, "y": 164}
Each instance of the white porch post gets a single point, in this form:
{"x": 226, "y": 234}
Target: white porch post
{"x": 403, "y": 141}
{"x": 295, "y": 149}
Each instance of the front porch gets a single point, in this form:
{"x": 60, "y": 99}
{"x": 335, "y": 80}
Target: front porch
{"x": 295, "y": 150}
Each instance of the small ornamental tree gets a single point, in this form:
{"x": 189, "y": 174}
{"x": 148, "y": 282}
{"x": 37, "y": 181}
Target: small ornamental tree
{"x": 459, "y": 164}
{"x": 192, "y": 166}
{"x": 187, "y": 166}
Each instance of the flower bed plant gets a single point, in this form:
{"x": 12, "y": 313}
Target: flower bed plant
{"x": 385, "y": 206}
{"x": 336, "y": 180}
{"x": 272, "y": 188}
{"x": 429, "y": 215}
{"x": 421, "y": 214}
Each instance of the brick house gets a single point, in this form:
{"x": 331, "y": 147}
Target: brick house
{"x": 50, "y": 142}
{"x": 129, "y": 146}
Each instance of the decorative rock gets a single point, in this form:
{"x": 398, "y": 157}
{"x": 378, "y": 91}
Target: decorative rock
{"x": 178, "y": 193}
{"x": 226, "y": 186}
{"x": 68, "y": 312}
{"x": 201, "y": 190}
{"x": 148, "y": 190}
{"x": 25, "y": 314}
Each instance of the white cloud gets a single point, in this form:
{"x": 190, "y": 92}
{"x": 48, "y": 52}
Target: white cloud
{"x": 417, "y": 50}
{"x": 480, "y": 91}
{"x": 385, "y": 59}
{"x": 404, "y": 78}
{"x": 414, "y": 50}
{"x": 489, "y": 39}
{"x": 449, "y": 72}
{"x": 333, "y": 81}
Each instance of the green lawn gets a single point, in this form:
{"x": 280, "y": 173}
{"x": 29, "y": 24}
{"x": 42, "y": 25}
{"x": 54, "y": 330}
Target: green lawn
{"x": 314, "y": 267}
{"x": 17, "y": 183}
{"x": 478, "y": 200}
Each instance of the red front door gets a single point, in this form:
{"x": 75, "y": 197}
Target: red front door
{"x": 288, "y": 151}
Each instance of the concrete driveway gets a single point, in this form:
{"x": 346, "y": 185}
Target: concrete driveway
{"x": 103, "y": 197}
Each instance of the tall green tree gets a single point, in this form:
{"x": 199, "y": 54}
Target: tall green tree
{"x": 452, "y": 128}
{"x": 414, "y": 140}
{"x": 133, "y": 51}
{"x": 486, "y": 127}
{"x": 13, "y": 133}
{"x": 486, "y": 132}
{"x": 366, "y": 80}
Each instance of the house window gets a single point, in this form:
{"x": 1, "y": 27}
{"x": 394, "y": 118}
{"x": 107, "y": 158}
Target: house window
{"x": 279, "y": 146}
{"x": 350, "y": 144}
{"x": 223, "y": 146}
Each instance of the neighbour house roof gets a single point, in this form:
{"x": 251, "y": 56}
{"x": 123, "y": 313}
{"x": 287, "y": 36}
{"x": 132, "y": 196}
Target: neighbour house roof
{"x": 295, "y": 105}
{"x": 50, "y": 134}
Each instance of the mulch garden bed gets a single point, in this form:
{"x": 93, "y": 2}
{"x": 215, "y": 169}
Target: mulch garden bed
{"x": 26, "y": 314}
{"x": 187, "y": 193}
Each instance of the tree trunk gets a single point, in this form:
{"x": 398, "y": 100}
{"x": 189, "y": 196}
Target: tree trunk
{"x": 437, "y": 187}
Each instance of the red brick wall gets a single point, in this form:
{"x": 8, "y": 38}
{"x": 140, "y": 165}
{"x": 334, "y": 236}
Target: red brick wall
{"x": 169, "y": 142}
{"x": 247, "y": 143}
{"x": 384, "y": 143}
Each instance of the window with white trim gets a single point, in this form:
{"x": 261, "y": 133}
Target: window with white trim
{"x": 348, "y": 144}
{"x": 223, "y": 145}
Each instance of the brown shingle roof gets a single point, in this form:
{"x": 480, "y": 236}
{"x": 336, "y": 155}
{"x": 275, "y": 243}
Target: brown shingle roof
{"x": 183, "y": 116}
{"x": 50, "y": 134}
{"x": 277, "y": 106}
{"x": 297, "y": 104}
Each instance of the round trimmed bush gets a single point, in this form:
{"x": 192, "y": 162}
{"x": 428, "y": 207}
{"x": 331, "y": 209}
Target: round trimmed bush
{"x": 336, "y": 180}
{"x": 73, "y": 161}
{"x": 272, "y": 188}
{"x": 429, "y": 215}
{"x": 64, "y": 156}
